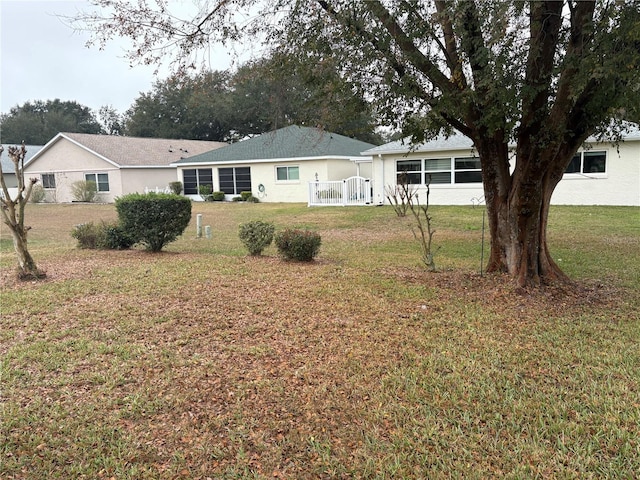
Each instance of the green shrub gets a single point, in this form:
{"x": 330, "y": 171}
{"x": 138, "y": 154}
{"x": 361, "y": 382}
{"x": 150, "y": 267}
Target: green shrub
{"x": 218, "y": 196}
{"x": 256, "y": 235}
{"x": 153, "y": 219}
{"x": 245, "y": 196}
{"x": 302, "y": 245}
{"x": 175, "y": 187}
{"x": 236, "y": 199}
{"x": 205, "y": 192}
{"x": 84, "y": 191}
{"x": 37, "y": 194}
{"x": 88, "y": 235}
{"x": 252, "y": 199}
{"x": 115, "y": 237}
{"x": 103, "y": 236}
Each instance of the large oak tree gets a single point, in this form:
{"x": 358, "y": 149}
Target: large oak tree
{"x": 540, "y": 75}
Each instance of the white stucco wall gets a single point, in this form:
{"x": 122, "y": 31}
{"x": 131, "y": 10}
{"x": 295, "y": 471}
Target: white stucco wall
{"x": 618, "y": 185}
{"x": 264, "y": 173}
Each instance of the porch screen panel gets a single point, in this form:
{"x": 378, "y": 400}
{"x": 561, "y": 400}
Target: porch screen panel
{"x": 243, "y": 179}
{"x": 225, "y": 176}
{"x": 190, "y": 181}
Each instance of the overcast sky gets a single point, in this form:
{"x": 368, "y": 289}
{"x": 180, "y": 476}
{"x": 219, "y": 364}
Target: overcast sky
{"x": 43, "y": 59}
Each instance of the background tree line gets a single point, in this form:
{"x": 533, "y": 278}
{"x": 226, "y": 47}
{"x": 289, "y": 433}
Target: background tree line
{"x": 260, "y": 96}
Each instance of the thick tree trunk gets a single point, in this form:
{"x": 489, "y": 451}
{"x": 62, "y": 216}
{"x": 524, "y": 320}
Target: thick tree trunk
{"x": 518, "y": 212}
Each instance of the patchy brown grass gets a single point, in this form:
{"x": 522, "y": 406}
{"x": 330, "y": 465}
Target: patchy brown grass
{"x": 202, "y": 362}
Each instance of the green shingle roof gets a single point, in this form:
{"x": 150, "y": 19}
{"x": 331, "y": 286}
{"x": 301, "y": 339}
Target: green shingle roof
{"x": 288, "y": 142}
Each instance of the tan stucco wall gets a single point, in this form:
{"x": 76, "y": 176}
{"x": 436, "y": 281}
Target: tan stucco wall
{"x": 69, "y": 163}
{"x": 620, "y": 185}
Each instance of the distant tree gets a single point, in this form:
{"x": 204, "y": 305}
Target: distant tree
{"x": 182, "y": 106}
{"x": 283, "y": 90}
{"x": 38, "y": 122}
{"x": 111, "y": 121}
{"x": 13, "y": 213}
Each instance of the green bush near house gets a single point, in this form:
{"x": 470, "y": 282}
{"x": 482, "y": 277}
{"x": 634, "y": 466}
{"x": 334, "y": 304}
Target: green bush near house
{"x": 217, "y": 196}
{"x": 245, "y": 196}
{"x": 37, "y": 194}
{"x": 256, "y": 235}
{"x": 153, "y": 219}
{"x": 176, "y": 187}
{"x": 301, "y": 245}
{"x": 84, "y": 191}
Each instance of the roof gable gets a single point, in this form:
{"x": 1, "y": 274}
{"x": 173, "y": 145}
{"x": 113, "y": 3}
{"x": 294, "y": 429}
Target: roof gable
{"x": 131, "y": 152}
{"x": 289, "y": 142}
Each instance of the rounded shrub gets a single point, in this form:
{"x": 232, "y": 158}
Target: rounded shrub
{"x": 176, "y": 187}
{"x": 256, "y": 235}
{"x": 153, "y": 219}
{"x": 301, "y": 245}
{"x": 218, "y": 196}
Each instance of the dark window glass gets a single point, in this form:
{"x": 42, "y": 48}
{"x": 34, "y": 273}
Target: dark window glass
{"x": 468, "y": 177}
{"x": 594, "y": 162}
{"x": 439, "y": 177}
{"x": 574, "y": 165}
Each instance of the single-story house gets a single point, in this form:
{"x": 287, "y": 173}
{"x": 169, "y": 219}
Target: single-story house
{"x": 278, "y": 166}
{"x": 119, "y": 165}
{"x": 8, "y": 168}
{"x": 600, "y": 173}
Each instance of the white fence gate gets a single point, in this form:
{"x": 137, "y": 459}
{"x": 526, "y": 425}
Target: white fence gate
{"x": 351, "y": 191}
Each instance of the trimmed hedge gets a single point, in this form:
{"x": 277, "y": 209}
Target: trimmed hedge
{"x": 153, "y": 219}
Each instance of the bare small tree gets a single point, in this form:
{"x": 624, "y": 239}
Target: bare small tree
{"x": 401, "y": 195}
{"x": 13, "y": 213}
{"x": 424, "y": 227}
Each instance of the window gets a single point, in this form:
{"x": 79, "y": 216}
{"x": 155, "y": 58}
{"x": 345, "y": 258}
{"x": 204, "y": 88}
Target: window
{"x": 48, "y": 180}
{"x": 588, "y": 162}
{"x": 444, "y": 171}
{"x": 409, "y": 172}
{"x": 194, "y": 178}
{"x": 468, "y": 170}
{"x": 100, "y": 179}
{"x": 284, "y": 174}
{"x": 235, "y": 180}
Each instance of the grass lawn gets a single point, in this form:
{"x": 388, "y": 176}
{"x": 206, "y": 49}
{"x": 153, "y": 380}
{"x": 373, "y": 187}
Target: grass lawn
{"x": 202, "y": 362}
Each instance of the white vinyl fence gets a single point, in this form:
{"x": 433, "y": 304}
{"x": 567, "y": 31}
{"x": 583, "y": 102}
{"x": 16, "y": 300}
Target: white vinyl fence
{"x": 351, "y": 191}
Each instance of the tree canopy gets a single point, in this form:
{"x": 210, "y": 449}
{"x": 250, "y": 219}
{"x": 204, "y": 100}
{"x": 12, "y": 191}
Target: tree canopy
{"x": 35, "y": 123}
{"x": 543, "y": 75}
{"x": 262, "y": 95}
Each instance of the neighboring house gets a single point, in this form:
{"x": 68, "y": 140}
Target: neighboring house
{"x": 8, "y": 168}
{"x": 119, "y": 165}
{"x": 276, "y": 166}
{"x": 600, "y": 173}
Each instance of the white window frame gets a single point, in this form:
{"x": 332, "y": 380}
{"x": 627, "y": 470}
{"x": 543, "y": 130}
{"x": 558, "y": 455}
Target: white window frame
{"x": 451, "y": 171}
{"x": 95, "y": 176}
{"x": 49, "y": 177}
{"x": 287, "y": 169}
{"x": 581, "y": 173}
